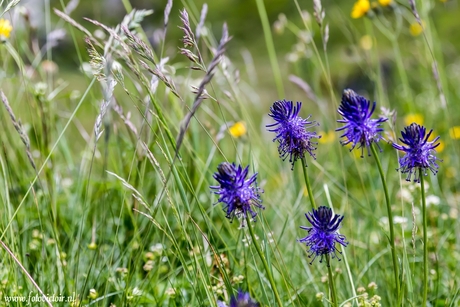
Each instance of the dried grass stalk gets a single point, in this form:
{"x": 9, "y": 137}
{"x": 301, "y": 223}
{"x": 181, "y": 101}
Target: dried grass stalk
{"x": 199, "y": 93}
{"x": 17, "y": 125}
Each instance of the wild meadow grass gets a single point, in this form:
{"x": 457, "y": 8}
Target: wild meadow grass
{"x": 147, "y": 176}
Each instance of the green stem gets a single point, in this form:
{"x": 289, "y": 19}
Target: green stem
{"x": 270, "y": 47}
{"x": 425, "y": 245}
{"x": 307, "y": 183}
{"x": 390, "y": 221}
{"x": 127, "y": 5}
{"x": 264, "y": 262}
{"x": 331, "y": 283}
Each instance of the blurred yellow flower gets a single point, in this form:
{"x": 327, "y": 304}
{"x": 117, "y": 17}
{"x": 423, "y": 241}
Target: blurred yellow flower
{"x": 413, "y": 118}
{"x": 5, "y": 28}
{"x": 366, "y": 42}
{"x": 441, "y": 146}
{"x": 385, "y": 2}
{"x": 415, "y": 29}
{"x": 326, "y": 137}
{"x": 360, "y": 8}
{"x": 237, "y": 130}
{"x": 305, "y": 192}
{"x": 454, "y": 132}
{"x": 451, "y": 172}
{"x": 357, "y": 153}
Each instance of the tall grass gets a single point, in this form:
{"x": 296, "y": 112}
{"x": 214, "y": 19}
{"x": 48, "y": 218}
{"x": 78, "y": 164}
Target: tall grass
{"x": 105, "y": 170}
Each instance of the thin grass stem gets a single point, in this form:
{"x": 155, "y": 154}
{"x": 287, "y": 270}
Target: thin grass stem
{"x": 307, "y": 183}
{"x": 270, "y": 47}
{"x": 344, "y": 252}
{"x": 390, "y": 222}
{"x": 425, "y": 245}
{"x": 331, "y": 283}
{"x": 264, "y": 262}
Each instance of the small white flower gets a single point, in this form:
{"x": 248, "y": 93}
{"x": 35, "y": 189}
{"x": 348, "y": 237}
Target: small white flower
{"x": 400, "y": 220}
{"x": 405, "y": 195}
{"x": 171, "y": 292}
{"x": 432, "y": 200}
{"x": 157, "y": 248}
{"x": 320, "y": 296}
{"x": 137, "y": 291}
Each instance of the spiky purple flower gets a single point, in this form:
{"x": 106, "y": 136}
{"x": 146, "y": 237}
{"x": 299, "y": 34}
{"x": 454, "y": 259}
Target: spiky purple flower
{"x": 360, "y": 129}
{"x": 237, "y": 193}
{"x": 243, "y": 299}
{"x": 291, "y": 131}
{"x": 323, "y": 233}
{"x": 419, "y": 152}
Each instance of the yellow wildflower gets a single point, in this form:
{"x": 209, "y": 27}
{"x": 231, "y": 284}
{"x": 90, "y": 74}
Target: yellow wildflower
{"x": 415, "y": 29}
{"x": 441, "y": 146}
{"x": 413, "y": 118}
{"x": 385, "y": 2}
{"x": 451, "y": 172}
{"x": 326, "y": 137}
{"x": 360, "y": 8}
{"x": 454, "y": 132}
{"x": 237, "y": 130}
{"x": 5, "y": 29}
{"x": 305, "y": 191}
{"x": 366, "y": 42}
{"x": 358, "y": 153}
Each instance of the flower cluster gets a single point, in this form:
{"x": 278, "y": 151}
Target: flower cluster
{"x": 243, "y": 299}
{"x": 240, "y": 194}
{"x": 237, "y": 193}
{"x": 359, "y": 128}
{"x": 419, "y": 152}
{"x": 323, "y": 233}
{"x": 294, "y": 140}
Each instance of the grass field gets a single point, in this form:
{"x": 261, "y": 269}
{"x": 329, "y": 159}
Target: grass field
{"x": 114, "y": 129}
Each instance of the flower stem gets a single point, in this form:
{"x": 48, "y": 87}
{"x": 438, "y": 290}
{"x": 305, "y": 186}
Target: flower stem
{"x": 390, "y": 220}
{"x": 331, "y": 283}
{"x": 425, "y": 245}
{"x": 307, "y": 183}
{"x": 264, "y": 262}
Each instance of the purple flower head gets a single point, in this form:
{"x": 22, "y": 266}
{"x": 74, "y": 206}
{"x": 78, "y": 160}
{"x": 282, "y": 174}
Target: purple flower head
{"x": 359, "y": 128}
{"x": 237, "y": 193}
{"x": 241, "y": 300}
{"x": 323, "y": 234}
{"x": 291, "y": 131}
{"x": 419, "y": 152}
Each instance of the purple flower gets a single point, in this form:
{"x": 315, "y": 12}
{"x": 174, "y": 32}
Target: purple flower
{"x": 360, "y": 128}
{"x": 419, "y": 152}
{"x": 241, "y": 300}
{"x": 237, "y": 193}
{"x": 291, "y": 131}
{"x": 323, "y": 234}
